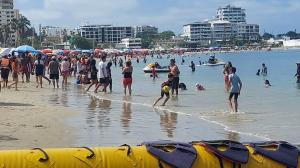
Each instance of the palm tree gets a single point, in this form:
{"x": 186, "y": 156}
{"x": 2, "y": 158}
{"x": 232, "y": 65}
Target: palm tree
{"x": 20, "y": 26}
{"x": 5, "y": 34}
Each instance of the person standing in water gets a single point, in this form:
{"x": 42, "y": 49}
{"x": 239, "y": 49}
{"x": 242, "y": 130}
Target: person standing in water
{"x": 54, "y": 71}
{"x": 297, "y": 75}
{"x": 103, "y": 76}
{"x": 235, "y": 90}
{"x": 193, "y": 66}
{"x": 65, "y": 71}
{"x": 264, "y": 70}
{"x": 175, "y": 72}
{"x": 127, "y": 80}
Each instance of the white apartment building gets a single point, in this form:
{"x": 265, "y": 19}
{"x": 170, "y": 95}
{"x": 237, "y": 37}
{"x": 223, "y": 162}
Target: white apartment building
{"x": 132, "y": 43}
{"x": 145, "y": 28}
{"x": 232, "y": 14}
{"x": 229, "y": 23}
{"x": 208, "y": 32}
{"x": 222, "y": 30}
{"x": 7, "y": 14}
{"x": 51, "y": 31}
{"x": 106, "y": 33}
{"x": 249, "y": 32}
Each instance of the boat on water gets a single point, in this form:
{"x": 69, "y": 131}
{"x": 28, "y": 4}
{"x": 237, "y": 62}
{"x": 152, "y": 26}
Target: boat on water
{"x": 197, "y": 154}
{"x": 158, "y": 68}
{"x": 213, "y": 61}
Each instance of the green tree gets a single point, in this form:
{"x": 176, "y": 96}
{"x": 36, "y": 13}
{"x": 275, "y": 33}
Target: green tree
{"x": 292, "y": 35}
{"x": 147, "y": 39}
{"x": 21, "y": 27}
{"x": 80, "y": 42}
{"x": 267, "y": 36}
{"x": 166, "y": 35}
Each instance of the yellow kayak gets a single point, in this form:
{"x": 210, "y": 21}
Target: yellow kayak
{"x": 165, "y": 154}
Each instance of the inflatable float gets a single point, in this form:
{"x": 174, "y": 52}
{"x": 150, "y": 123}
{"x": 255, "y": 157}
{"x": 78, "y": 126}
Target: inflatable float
{"x": 162, "y": 154}
{"x": 158, "y": 69}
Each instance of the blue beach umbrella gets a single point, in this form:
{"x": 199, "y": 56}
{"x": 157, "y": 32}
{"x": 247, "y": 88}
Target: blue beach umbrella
{"x": 26, "y": 48}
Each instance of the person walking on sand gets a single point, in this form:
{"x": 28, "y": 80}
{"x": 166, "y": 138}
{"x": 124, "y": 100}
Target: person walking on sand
{"x": 15, "y": 72}
{"x": 5, "y": 64}
{"x": 175, "y": 72}
{"x": 127, "y": 80}
{"x": 65, "y": 71}
{"x": 103, "y": 77}
{"x": 54, "y": 71}
{"x": 39, "y": 71}
{"x": 235, "y": 90}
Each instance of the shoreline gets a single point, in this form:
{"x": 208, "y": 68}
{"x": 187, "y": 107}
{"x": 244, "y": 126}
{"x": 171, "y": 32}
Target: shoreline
{"x": 28, "y": 121}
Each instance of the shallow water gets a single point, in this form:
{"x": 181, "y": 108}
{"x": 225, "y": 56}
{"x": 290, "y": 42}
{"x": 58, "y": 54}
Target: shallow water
{"x": 265, "y": 113}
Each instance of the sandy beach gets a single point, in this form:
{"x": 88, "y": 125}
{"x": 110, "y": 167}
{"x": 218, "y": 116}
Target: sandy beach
{"x": 26, "y": 121}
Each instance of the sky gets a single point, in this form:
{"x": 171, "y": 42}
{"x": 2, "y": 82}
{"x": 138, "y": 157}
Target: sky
{"x": 273, "y": 16}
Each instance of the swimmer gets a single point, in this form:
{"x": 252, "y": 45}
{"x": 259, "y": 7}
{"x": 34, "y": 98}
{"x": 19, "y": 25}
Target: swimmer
{"x": 258, "y": 72}
{"x": 267, "y": 83}
{"x": 199, "y": 87}
{"x": 182, "y": 86}
{"x": 165, "y": 90}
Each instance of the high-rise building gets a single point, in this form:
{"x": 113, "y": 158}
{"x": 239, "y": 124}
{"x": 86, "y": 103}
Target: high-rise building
{"x": 7, "y": 14}
{"x": 105, "y": 33}
{"x": 208, "y": 32}
{"x": 145, "y": 28}
{"x": 232, "y": 14}
{"x": 247, "y": 32}
{"x": 230, "y": 23}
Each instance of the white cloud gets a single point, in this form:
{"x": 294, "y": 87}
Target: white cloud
{"x": 166, "y": 14}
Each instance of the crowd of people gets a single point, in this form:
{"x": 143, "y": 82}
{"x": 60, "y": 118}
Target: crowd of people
{"x": 87, "y": 71}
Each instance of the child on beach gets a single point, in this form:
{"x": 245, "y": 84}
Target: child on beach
{"x": 199, "y": 87}
{"x": 165, "y": 90}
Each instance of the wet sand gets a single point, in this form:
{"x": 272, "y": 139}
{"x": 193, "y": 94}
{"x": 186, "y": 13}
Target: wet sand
{"x": 27, "y": 121}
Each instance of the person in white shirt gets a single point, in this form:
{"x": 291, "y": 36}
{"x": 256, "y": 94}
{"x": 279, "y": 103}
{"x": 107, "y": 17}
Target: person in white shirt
{"x": 102, "y": 74}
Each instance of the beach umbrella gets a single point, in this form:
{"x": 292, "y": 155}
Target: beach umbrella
{"x": 25, "y": 48}
{"x": 47, "y": 51}
{"x": 5, "y": 51}
{"x": 66, "y": 52}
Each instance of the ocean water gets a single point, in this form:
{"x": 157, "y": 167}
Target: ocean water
{"x": 265, "y": 113}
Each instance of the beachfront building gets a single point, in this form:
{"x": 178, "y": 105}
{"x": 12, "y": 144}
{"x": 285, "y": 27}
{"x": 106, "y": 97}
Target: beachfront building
{"x": 131, "y": 43}
{"x": 145, "y": 28}
{"x": 105, "y": 33}
{"x": 247, "y": 32}
{"x": 7, "y": 14}
{"x": 209, "y": 31}
{"x": 229, "y": 23}
{"x": 232, "y": 14}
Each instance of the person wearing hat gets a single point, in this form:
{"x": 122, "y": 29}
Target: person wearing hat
{"x": 54, "y": 71}
{"x": 298, "y": 72}
{"x": 4, "y": 64}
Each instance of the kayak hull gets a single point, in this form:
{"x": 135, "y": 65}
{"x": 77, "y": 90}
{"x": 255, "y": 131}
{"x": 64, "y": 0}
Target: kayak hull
{"x": 124, "y": 156}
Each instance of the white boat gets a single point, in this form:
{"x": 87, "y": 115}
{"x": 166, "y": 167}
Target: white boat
{"x": 148, "y": 69}
{"x": 214, "y": 62}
